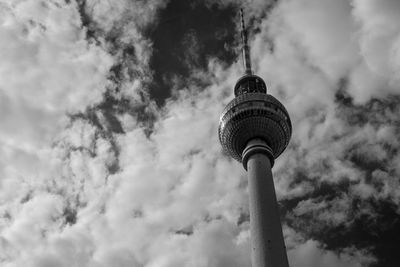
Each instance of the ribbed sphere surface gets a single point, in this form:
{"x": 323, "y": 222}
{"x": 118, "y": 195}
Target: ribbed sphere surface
{"x": 254, "y": 115}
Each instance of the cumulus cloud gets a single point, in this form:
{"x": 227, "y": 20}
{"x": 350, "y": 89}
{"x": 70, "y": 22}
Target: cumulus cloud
{"x": 94, "y": 173}
{"x": 47, "y": 70}
{"x": 338, "y": 86}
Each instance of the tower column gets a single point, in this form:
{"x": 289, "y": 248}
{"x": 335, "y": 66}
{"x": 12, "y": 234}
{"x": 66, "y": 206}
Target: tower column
{"x": 267, "y": 243}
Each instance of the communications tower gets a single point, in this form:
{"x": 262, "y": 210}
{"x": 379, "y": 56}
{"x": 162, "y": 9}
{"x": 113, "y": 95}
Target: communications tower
{"x": 255, "y": 129}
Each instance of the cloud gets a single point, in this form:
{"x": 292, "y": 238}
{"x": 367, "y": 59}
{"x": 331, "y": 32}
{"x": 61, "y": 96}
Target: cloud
{"x": 309, "y": 254}
{"x": 94, "y": 173}
{"x": 47, "y": 70}
{"x": 341, "y": 103}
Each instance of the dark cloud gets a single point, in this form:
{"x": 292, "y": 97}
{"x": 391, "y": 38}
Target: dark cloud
{"x": 371, "y": 225}
{"x": 188, "y": 34}
{"x": 336, "y": 212}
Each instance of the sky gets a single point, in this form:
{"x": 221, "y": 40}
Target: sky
{"x": 109, "y": 110}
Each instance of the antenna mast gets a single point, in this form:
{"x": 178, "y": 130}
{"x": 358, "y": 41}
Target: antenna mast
{"x": 245, "y": 47}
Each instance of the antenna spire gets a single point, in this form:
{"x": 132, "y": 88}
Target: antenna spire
{"x": 245, "y": 47}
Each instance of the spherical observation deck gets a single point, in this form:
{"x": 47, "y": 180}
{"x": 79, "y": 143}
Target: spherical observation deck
{"x": 253, "y": 114}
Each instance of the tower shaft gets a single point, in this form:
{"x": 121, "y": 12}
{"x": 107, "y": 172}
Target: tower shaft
{"x": 267, "y": 243}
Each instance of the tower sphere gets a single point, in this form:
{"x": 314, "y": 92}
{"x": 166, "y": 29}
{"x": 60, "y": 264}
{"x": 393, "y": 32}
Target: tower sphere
{"x": 253, "y": 114}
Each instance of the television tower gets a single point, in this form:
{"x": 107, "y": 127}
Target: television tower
{"x": 255, "y": 129}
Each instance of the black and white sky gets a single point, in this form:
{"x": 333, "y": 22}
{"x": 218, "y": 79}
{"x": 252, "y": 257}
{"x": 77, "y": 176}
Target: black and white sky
{"x": 109, "y": 154}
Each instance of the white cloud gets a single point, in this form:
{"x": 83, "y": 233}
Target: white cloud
{"x": 310, "y": 254}
{"x": 47, "y": 69}
{"x": 175, "y": 200}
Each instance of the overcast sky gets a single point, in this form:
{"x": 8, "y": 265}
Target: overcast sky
{"x": 109, "y": 154}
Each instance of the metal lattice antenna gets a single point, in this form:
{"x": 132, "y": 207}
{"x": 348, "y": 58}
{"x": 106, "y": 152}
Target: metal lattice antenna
{"x": 245, "y": 47}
